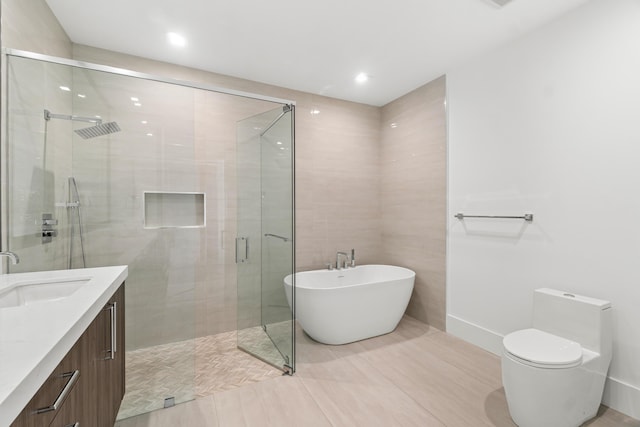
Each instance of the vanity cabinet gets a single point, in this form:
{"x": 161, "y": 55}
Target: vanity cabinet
{"x": 86, "y": 388}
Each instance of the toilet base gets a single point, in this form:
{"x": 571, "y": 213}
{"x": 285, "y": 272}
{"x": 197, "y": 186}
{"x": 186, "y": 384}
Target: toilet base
{"x": 539, "y": 397}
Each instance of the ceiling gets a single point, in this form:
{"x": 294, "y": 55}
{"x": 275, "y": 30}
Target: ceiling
{"x": 312, "y": 46}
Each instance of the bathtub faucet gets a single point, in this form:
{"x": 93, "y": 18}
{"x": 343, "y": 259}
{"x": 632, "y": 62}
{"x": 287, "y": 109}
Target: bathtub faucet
{"x": 346, "y": 260}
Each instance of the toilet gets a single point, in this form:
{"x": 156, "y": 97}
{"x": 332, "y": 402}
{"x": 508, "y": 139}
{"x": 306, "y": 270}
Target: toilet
{"x": 554, "y": 373}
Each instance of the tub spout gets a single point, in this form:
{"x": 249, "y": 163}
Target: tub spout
{"x": 346, "y": 260}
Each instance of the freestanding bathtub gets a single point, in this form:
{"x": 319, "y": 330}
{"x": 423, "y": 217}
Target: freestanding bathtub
{"x": 343, "y": 306}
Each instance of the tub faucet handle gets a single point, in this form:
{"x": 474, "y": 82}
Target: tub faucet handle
{"x": 329, "y": 266}
{"x": 353, "y": 257}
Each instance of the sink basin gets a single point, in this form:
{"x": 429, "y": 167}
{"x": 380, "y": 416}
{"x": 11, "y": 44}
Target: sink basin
{"x": 25, "y": 293}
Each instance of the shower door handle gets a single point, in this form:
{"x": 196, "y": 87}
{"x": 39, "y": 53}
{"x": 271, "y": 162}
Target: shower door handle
{"x": 242, "y": 249}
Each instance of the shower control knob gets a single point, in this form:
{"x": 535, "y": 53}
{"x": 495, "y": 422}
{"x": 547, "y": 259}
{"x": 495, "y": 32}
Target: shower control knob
{"x": 47, "y": 231}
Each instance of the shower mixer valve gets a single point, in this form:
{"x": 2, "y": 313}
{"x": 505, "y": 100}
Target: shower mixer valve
{"x": 48, "y": 232}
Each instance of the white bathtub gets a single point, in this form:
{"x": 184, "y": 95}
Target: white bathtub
{"x": 343, "y": 306}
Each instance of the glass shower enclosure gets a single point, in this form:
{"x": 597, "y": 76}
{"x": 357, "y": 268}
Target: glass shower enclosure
{"x": 264, "y": 246}
{"x": 191, "y": 186}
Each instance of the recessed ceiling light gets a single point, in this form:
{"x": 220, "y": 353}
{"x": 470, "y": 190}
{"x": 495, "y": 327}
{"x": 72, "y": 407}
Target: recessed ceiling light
{"x": 82, "y": 95}
{"x": 362, "y": 77}
{"x": 149, "y": 134}
{"x": 65, "y": 88}
{"x": 500, "y": 3}
{"x": 176, "y": 39}
{"x": 134, "y": 99}
{"x": 144, "y": 122}
{"x": 137, "y": 104}
{"x": 279, "y": 143}
{"x": 393, "y": 125}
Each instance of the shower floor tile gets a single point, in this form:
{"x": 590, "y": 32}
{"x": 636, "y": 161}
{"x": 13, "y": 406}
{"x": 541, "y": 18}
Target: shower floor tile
{"x": 169, "y": 370}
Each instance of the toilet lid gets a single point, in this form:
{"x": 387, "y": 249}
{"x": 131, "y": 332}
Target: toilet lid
{"x": 543, "y": 349}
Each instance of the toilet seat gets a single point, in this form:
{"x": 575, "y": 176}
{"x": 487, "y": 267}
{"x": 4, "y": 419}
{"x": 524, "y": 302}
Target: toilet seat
{"x": 542, "y": 350}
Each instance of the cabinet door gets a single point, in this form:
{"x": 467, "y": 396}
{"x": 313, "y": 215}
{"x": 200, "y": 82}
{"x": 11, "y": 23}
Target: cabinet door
{"x": 101, "y": 390}
{"x": 110, "y": 370}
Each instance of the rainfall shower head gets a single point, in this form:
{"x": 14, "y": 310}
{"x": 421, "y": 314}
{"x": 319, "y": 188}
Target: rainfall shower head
{"x": 98, "y": 129}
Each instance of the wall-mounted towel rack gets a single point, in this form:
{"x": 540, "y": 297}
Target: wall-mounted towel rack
{"x": 286, "y": 239}
{"x": 527, "y": 217}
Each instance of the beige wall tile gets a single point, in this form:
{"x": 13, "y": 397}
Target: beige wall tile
{"x": 413, "y": 195}
{"x": 31, "y": 26}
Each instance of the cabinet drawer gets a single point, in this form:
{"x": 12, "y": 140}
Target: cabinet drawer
{"x": 53, "y": 394}
{"x": 68, "y": 415}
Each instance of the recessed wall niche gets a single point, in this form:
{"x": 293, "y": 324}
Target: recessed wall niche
{"x": 174, "y": 210}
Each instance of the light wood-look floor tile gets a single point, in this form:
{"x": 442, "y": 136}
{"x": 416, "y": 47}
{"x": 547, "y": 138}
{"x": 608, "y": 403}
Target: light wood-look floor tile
{"x": 280, "y": 401}
{"x": 607, "y": 417}
{"x": 351, "y": 392}
{"x": 414, "y": 376}
{"x": 449, "y": 393}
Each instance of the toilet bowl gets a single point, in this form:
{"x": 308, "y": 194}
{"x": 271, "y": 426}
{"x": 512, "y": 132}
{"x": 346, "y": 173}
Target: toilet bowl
{"x": 554, "y": 373}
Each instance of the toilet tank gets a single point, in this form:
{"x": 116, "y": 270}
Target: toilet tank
{"x": 584, "y": 320}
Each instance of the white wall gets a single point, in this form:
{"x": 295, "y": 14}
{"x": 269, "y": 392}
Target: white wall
{"x": 550, "y": 124}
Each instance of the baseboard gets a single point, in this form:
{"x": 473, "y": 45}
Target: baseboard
{"x": 618, "y": 395}
{"x": 477, "y": 335}
{"x": 622, "y": 397}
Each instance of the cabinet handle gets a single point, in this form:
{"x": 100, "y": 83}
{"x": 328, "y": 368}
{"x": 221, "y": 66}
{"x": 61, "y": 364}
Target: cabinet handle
{"x": 73, "y": 378}
{"x": 113, "y": 311}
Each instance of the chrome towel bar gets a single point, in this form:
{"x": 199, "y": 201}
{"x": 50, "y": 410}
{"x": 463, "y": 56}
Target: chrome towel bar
{"x": 527, "y": 217}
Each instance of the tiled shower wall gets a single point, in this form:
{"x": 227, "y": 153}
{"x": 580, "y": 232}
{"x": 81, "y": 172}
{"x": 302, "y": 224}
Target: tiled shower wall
{"x": 345, "y": 180}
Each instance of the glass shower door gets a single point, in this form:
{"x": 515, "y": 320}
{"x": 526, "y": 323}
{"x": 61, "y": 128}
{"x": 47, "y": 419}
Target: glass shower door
{"x": 264, "y": 243}
{"x": 38, "y": 164}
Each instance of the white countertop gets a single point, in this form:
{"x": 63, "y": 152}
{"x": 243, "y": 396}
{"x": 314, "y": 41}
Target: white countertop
{"x": 34, "y": 338}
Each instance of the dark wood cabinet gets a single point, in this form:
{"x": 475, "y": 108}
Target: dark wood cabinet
{"x": 109, "y": 365}
{"x": 88, "y": 384}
